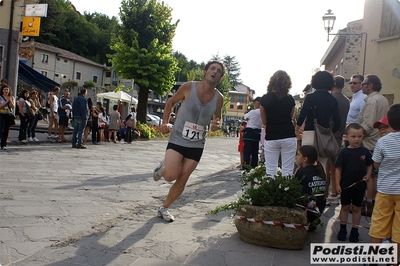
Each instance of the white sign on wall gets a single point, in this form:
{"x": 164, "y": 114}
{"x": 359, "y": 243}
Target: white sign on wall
{"x": 36, "y": 10}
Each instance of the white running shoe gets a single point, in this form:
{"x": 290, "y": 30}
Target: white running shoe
{"x": 328, "y": 202}
{"x": 335, "y": 202}
{"x": 158, "y": 171}
{"x": 30, "y": 139}
{"x": 164, "y": 213}
{"x": 24, "y": 141}
{"x": 36, "y": 139}
{"x": 334, "y": 197}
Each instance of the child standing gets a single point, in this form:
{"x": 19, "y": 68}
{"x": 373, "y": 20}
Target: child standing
{"x": 241, "y": 144}
{"x": 353, "y": 170}
{"x": 313, "y": 178}
{"x": 386, "y": 157}
{"x": 383, "y": 126}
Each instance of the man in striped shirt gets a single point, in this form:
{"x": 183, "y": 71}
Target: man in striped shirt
{"x": 386, "y": 157}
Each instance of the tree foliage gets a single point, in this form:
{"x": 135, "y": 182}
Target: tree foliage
{"x": 144, "y": 49}
{"x": 141, "y": 46}
{"x": 87, "y": 35}
{"x": 232, "y": 69}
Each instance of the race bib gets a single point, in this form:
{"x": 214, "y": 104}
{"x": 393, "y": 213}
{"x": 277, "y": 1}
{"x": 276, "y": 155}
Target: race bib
{"x": 192, "y": 132}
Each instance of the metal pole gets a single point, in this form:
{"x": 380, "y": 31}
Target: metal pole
{"x": 132, "y": 81}
{"x": 10, "y": 33}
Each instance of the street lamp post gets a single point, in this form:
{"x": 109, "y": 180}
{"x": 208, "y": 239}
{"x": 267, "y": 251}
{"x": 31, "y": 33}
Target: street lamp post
{"x": 329, "y": 21}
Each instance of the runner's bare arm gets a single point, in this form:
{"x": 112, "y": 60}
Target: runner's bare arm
{"x": 182, "y": 93}
{"x": 216, "y": 122}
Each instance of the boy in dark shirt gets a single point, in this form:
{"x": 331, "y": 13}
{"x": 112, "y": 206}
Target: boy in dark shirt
{"x": 353, "y": 171}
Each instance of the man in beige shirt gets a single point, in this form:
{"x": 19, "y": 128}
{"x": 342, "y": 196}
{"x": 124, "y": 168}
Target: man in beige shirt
{"x": 375, "y": 107}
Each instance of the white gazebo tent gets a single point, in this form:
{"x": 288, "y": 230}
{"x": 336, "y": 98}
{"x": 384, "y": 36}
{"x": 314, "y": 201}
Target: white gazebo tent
{"x": 118, "y": 96}
{"x": 122, "y": 97}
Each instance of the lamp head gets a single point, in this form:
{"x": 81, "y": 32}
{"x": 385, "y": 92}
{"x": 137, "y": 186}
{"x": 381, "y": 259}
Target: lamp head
{"x": 329, "y": 20}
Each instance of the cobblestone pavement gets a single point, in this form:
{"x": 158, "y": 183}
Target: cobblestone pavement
{"x": 62, "y": 206}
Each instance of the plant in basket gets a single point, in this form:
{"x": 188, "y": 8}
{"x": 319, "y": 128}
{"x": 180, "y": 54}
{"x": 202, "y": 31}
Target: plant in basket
{"x": 268, "y": 211}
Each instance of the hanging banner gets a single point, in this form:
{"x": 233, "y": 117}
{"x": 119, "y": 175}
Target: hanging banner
{"x": 30, "y": 26}
{"x": 36, "y": 10}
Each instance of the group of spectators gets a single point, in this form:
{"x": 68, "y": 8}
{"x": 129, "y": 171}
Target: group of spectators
{"x": 231, "y": 130}
{"x": 27, "y": 106}
{"x": 358, "y": 127}
{"x": 89, "y": 117}
{"x": 81, "y": 112}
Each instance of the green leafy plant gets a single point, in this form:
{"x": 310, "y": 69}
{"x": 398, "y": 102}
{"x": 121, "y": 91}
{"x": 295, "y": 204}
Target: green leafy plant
{"x": 150, "y": 132}
{"x": 216, "y": 133}
{"x": 259, "y": 189}
{"x": 89, "y": 84}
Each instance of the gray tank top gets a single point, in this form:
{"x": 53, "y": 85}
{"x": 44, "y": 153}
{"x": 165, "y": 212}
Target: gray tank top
{"x": 192, "y": 116}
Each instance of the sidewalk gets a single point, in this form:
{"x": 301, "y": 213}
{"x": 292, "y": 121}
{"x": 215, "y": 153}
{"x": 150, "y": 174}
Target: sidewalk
{"x": 41, "y": 133}
{"x": 63, "y": 206}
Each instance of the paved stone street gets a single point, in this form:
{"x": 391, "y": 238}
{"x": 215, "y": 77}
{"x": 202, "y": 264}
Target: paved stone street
{"x": 63, "y": 206}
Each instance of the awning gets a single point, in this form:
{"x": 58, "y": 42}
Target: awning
{"x": 32, "y": 77}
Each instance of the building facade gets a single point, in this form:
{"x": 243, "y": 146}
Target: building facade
{"x": 369, "y": 46}
{"x": 61, "y": 65}
{"x": 240, "y": 97}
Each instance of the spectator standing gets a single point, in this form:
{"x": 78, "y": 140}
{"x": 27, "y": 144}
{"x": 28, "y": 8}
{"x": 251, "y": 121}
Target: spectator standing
{"x": 344, "y": 106}
{"x": 35, "y": 102}
{"x": 374, "y": 109}
{"x": 357, "y": 102}
{"x": 130, "y": 123}
{"x": 95, "y": 123}
{"x": 115, "y": 122}
{"x": 277, "y": 111}
{"x": 6, "y": 108}
{"x": 88, "y": 126}
{"x": 353, "y": 170}
{"x": 53, "y": 109}
{"x": 251, "y": 135}
{"x": 24, "y": 118}
{"x": 64, "y": 111}
{"x": 325, "y": 105}
{"x": 385, "y": 219}
{"x": 102, "y": 119}
{"x": 80, "y": 115}
{"x": 241, "y": 144}
{"x": 383, "y": 126}
{"x": 308, "y": 89}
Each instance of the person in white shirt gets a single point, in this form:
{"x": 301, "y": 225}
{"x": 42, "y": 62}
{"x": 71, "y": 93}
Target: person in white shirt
{"x": 53, "y": 116}
{"x": 251, "y": 135}
{"x": 357, "y": 103}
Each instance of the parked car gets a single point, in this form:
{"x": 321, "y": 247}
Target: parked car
{"x": 153, "y": 120}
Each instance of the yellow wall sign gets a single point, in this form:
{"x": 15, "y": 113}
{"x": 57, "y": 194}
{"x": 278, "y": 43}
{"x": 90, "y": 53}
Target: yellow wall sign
{"x": 31, "y": 26}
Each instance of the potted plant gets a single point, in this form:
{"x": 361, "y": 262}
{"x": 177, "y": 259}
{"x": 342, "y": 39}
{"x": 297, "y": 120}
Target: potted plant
{"x": 267, "y": 211}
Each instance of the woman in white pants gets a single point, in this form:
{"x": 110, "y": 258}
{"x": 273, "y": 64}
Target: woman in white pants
{"x": 277, "y": 112}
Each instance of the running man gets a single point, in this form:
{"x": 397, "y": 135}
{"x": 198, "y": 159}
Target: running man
{"x": 200, "y": 101}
